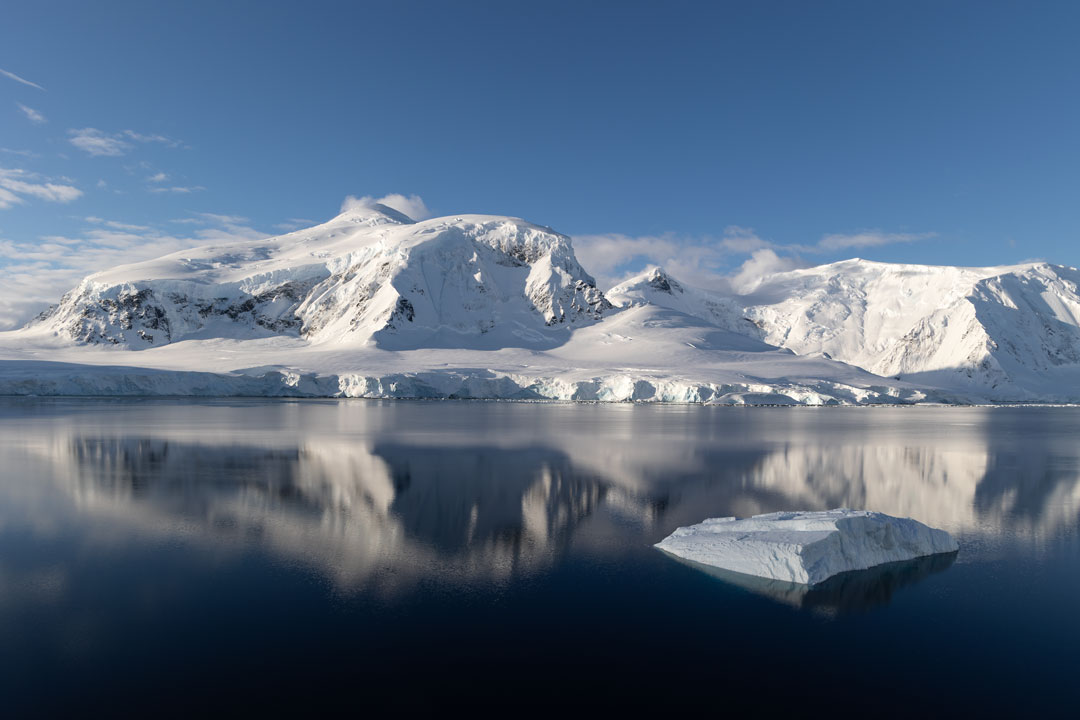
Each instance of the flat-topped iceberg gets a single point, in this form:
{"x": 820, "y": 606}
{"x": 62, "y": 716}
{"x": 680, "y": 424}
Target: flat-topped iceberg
{"x": 806, "y": 547}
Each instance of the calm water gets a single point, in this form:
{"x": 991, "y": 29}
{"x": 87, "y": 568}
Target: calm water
{"x": 176, "y": 557}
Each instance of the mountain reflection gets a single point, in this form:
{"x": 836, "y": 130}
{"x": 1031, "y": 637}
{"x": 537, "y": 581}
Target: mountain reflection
{"x": 385, "y": 497}
{"x": 349, "y": 509}
{"x": 455, "y": 498}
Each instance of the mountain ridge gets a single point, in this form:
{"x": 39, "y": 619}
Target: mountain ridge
{"x": 374, "y": 304}
{"x": 1011, "y": 330}
{"x": 367, "y": 275}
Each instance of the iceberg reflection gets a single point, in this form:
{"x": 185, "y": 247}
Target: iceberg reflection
{"x": 372, "y": 495}
{"x": 849, "y": 592}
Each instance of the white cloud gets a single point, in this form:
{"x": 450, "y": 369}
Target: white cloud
{"x": 411, "y": 205}
{"x": 97, "y": 143}
{"x": 761, "y": 263}
{"x": 102, "y": 144}
{"x": 180, "y": 189}
{"x": 117, "y": 225}
{"x": 702, "y": 261}
{"x": 220, "y": 219}
{"x": 714, "y": 262}
{"x": 18, "y": 79}
{"x": 32, "y": 114}
{"x": 23, "y": 153}
{"x": 157, "y": 177}
{"x": 613, "y": 256}
{"x": 37, "y": 273}
{"x": 140, "y": 137}
{"x": 869, "y": 238}
{"x": 742, "y": 240}
{"x": 16, "y": 185}
{"x": 294, "y": 224}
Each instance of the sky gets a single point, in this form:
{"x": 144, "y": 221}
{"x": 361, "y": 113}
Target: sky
{"x": 720, "y": 139}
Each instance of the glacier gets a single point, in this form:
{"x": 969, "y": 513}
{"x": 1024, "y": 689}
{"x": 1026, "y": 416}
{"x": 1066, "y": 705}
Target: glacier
{"x": 999, "y": 334}
{"x": 806, "y": 547}
{"x": 373, "y": 304}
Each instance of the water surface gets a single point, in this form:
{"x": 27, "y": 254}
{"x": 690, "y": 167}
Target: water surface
{"x": 185, "y": 556}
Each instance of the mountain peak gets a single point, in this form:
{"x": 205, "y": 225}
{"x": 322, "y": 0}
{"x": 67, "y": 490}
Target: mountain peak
{"x": 661, "y": 280}
{"x": 654, "y": 278}
{"x": 374, "y": 214}
{"x": 371, "y": 275}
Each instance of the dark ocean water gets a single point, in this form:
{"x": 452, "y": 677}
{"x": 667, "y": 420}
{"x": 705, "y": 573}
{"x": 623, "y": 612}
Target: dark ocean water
{"x": 220, "y": 557}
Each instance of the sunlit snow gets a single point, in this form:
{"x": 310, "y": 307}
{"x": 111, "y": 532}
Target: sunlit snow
{"x": 372, "y": 304}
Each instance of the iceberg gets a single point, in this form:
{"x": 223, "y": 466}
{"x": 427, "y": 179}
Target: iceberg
{"x": 806, "y": 547}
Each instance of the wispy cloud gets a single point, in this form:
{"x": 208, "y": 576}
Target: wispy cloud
{"x": 16, "y": 185}
{"x": 142, "y": 138}
{"x": 157, "y": 178}
{"x": 16, "y": 78}
{"x": 221, "y": 219}
{"x": 736, "y": 260}
{"x": 614, "y": 256}
{"x": 37, "y": 273}
{"x": 118, "y": 225}
{"x": 760, "y": 264}
{"x": 294, "y": 224}
{"x": 179, "y": 189}
{"x": 737, "y": 239}
{"x": 102, "y": 144}
{"x": 22, "y": 153}
{"x": 411, "y": 205}
{"x": 869, "y": 238}
{"x": 697, "y": 260}
{"x": 34, "y": 116}
{"x": 97, "y": 143}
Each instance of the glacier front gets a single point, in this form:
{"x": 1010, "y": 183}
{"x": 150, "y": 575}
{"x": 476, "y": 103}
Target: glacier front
{"x": 806, "y": 547}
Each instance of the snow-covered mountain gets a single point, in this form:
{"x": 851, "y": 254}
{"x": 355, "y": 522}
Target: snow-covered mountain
{"x": 656, "y": 287}
{"x": 1005, "y": 333}
{"x": 1011, "y": 332}
{"x": 370, "y": 274}
{"x": 373, "y": 304}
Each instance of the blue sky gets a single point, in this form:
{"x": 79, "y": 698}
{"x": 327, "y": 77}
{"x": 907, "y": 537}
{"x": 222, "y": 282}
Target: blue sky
{"x": 689, "y": 134}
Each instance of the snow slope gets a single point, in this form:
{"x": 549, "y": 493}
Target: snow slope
{"x": 806, "y": 547}
{"x": 1001, "y": 333}
{"x": 372, "y": 304}
{"x": 368, "y": 275}
{"x": 647, "y": 354}
{"x": 656, "y": 287}
{"x": 1012, "y": 332}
